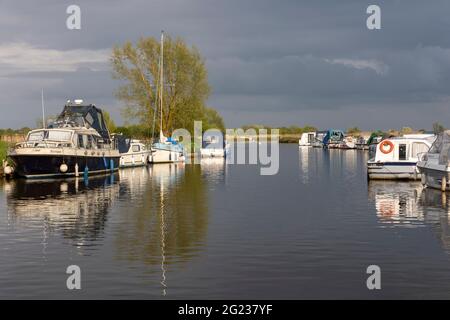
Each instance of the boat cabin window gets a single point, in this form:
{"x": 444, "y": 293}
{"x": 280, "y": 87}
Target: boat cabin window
{"x": 81, "y": 143}
{"x": 310, "y": 138}
{"x": 59, "y": 135}
{"x": 36, "y": 136}
{"x": 54, "y": 135}
{"x": 136, "y": 148}
{"x": 417, "y": 148}
{"x": 402, "y": 152}
{"x": 91, "y": 142}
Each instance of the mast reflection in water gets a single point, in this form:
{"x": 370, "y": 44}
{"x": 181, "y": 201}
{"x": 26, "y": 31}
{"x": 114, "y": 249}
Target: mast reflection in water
{"x": 169, "y": 217}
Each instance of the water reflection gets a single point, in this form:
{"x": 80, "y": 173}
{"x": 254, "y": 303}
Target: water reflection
{"x": 397, "y": 203}
{"x": 304, "y": 160}
{"x": 214, "y": 170}
{"x": 436, "y": 208}
{"x": 167, "y": 219}
{"x": 75, "y": 208}
{"x": 408, "y": 204}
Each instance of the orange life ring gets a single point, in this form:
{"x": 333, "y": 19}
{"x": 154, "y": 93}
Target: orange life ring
{"x": 384, "y": 144}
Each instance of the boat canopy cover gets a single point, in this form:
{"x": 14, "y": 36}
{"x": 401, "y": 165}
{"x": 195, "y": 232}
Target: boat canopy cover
{"x": 375, "y": 135}
{"x": 83, "y": 116}
{"x": 123, "y": 143}
{"x": 333, "y": 136}
{"x": 442, "y": 146}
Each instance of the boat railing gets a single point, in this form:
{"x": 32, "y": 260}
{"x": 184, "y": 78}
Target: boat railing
{"x": 168, "y": 147}
{"x": 423, "y": 156}
{"x": 44, "y": 144}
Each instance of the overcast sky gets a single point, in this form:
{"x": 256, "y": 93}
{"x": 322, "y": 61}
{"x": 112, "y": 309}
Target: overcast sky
{"x": 271, "y": 62}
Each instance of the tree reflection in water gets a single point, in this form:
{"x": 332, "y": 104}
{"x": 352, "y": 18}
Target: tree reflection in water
{"x": 168, "y": 217}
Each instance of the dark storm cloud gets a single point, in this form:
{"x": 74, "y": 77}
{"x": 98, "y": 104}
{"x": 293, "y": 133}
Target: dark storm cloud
{"x": 276, "y": 62}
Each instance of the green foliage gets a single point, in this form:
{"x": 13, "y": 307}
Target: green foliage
{"x": 135, "y": 131}
{"x": 185, "y": 90}
{"x": 3, "y": 151}
{"x": 10, "y": 132}
{"x": 406, "y": 130}
{"x": 354, "y": 131}
{"x": 283, "y": 130}
{"x": 212, "y": 120}
{"x": 109, "y": 121}
{"x": 438, "y": 128}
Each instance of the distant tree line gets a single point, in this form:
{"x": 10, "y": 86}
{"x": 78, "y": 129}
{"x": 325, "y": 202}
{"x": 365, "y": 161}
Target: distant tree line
{"x": 283, "y": 130}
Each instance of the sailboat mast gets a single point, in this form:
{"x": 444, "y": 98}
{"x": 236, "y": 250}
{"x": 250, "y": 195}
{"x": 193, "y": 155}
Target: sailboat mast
{"x": 161, "y": 81}
{"x": 43, "y": 108}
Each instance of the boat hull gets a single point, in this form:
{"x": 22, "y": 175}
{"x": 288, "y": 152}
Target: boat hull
{"x": 138, "y": 159}
{"x": 212, "y": 153}
{"x": 432, "y": 177}
{"x": 393, "y": 171}
{"x": 166, "y": 156}
{"x": 49, "y": 166}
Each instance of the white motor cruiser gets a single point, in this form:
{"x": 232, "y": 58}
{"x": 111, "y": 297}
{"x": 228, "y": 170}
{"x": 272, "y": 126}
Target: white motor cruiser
{"x": 396, "y": 158}
{"x": 133, "y": 153}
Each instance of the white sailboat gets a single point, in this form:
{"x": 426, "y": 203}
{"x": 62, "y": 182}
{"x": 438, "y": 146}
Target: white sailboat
{"x": 166, "y": 150}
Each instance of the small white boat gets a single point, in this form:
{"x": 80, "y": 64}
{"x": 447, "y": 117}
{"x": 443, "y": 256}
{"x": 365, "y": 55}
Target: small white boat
{"x": 396, "y": 158}
{"x": 362, "y": 143}
{"x": 318, "y": 141}
{"x": 213, "y": 148}
{"x": 307, "y": 139}
{"x": 348, "y": 143}
{"x": 434, "y": 165}
{"x": 167, "y": 150}
{"x": 133, "y": 153}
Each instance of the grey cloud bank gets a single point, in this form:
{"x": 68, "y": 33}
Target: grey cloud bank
{"x": 273, "y": 62}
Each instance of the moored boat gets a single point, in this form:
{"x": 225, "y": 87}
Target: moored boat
{"x": 396, "y": 158}
{"x": 78, "y": 142}
{"x": 318, "y": 141}
{"x": 434, "y": 165}
{"x": 333, "y": 139}
{"x": 212, "y": 147}
{"x": 133, "y": 153}
{"x": 307, "y": 139}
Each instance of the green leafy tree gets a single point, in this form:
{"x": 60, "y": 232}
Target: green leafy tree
{"x": 406, "y": 130}
{"x": 185, "y": 90}
{"x": 109, "y": 122}
{"x": 212, "y": 120}
{"x": 354, "y": 131}
{"x": 438, "y": 128}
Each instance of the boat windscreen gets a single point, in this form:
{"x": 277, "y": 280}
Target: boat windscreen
{"x": 58, "y": 135}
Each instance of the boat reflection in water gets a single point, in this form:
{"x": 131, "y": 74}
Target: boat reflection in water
{"x": 403, "y": 204}
{"x": 214, "y": 170}
{"x": 397, "y": 203}
{"x": 75, "y": 208}
{"x": 167, "y": 223}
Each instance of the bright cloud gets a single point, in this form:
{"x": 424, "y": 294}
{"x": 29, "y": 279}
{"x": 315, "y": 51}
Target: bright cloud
{"x": 377, "y": 66}
{"x": 21, "y": 57}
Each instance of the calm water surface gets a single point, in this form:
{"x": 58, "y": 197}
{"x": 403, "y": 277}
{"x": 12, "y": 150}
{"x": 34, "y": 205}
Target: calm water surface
{"x": 224, "y": 231}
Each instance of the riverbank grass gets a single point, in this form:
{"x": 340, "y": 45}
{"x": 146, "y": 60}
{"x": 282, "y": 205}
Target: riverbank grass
{"x": 3, "y": 151}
